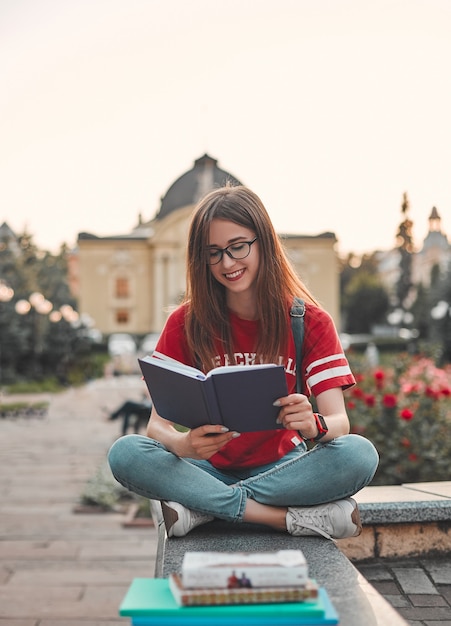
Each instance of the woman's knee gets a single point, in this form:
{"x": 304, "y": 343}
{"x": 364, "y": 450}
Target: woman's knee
{"x": 121, "y": 454}
{"x": 356, "y": 452}
{"x": 363, "y": 454}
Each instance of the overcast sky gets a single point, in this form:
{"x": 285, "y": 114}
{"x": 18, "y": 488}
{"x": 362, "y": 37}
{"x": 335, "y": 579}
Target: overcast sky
{"x": 328, "y": 109}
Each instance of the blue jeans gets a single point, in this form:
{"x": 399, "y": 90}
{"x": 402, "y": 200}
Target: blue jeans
{"x": 330, "y": 471}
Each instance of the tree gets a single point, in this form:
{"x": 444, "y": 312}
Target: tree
{"x": 357, "y": 275}
{"x": 33, "y": 346}
{"x": 404, "y": 240}
{"x": 421, "y": 310}
{"x": 365, "y": 302}
{"x": 353, "y": 265}
{"x": 441, "y": 317}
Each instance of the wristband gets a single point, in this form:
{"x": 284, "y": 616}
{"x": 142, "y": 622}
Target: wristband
{"x": 322, "y": 426}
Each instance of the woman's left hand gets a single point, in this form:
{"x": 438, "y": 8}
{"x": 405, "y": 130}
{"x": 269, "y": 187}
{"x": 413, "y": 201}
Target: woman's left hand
{"x": 296, "y": 413}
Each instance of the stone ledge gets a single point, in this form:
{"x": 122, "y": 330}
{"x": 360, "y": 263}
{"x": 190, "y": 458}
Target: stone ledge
{"x": 405, "y": 512}
{"x": 355, "y": 599}
{"x": 398, "y": 540}
{"x": 409, "y": 520}
{"x": 398, "y": 521}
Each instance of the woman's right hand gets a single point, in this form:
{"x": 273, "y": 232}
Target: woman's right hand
{"x": 203, "y": 442}
{"x": 199, "y": 443}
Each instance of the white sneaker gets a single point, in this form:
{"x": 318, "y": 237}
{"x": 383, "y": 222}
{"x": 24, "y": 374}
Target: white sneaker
{"x": 334, "y": 520}
{"x": 179, "y": 520}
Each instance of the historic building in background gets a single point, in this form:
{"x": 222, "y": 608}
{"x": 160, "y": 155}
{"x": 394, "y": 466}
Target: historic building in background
{"x": 129, "y": 283}
{"x": 435, "y": 252}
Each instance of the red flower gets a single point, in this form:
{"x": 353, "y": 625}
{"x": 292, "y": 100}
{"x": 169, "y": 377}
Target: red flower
{"x": 408, "y": 388}
{"x": 406, "y": 414}
{"x": 379, "y": 376}
{"x": 431, "y": 393}
{"x": 351, "y": 404}
{"x": 446, "y": 391}
{"x": 389, "y": 400}
{"x": 357, "y": 392}
{"x": 413, "y": 457}
{"x": 370, "y": 400}
{"x": 405, "y": 442}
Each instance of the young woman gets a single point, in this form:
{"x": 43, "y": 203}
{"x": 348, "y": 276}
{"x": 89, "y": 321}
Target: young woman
{"x": 240, "y": 288}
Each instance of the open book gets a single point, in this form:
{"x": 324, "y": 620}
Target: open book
{"x": 239, "y": 397}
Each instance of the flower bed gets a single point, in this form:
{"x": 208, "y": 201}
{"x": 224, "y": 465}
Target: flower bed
{"x": 405, "y": 410}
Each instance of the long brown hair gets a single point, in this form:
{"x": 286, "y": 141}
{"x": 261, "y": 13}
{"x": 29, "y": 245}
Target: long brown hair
{"x": 207, "y": 319}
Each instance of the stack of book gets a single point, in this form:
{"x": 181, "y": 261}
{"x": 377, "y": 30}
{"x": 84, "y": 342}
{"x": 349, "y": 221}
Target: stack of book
{"x": 231, "y": 589}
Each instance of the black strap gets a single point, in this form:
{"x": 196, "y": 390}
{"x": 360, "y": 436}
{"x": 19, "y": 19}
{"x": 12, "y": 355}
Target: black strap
{"x": 297, "y": 313}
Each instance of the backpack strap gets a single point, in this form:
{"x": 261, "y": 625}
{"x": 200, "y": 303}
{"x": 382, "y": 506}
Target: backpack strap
{"x": 297, "y": 313}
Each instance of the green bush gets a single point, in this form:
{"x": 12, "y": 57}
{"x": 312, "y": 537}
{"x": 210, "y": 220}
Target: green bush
{"x": 104, "y": 491}
{"x": 405, "y": 410}
{"x": 23, "y": 409}
{"x": 88, "y": 368}
{"x": 48, "y": 385}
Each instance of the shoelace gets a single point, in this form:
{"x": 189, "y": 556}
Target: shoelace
{"x": 197, "y": 516}
{"x": 313, "y": 520}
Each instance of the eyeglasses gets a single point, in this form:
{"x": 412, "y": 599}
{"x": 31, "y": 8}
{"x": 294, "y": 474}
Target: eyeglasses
{"x": 239, "y": 250}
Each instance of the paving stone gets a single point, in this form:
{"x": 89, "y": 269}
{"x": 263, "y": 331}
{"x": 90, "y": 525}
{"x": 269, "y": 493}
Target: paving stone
{"x": 38, "y": 549}
{"x": 375, "y": 572}
{"x": 59, "y": 608}
{"x": 423, "y": 614}
{"x": 29, "y": 601}
{"x": 94, "y": 550}
{"x": 445, "y": 590}
{"x": 414, "y": 580}
{"x": 398, "y": 601}
{"x": 386, "y": 588}
{"x": 23, "y": 571}
{"x": 59, "y": 622}
{"x": 5, "y": 574}
{"x": 439, "y": 570}
{"x": 119, "y": 573}
{"x": 19, "y": 622}
{"x": 427, "y": 600}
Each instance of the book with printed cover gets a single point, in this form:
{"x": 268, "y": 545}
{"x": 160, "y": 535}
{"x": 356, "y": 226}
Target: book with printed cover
{"x": 278, "y": 568}
{"x": 239, "y": 397}
{"x": 240, "y": 595}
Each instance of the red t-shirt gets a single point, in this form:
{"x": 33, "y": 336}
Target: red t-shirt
{"x": 324, "y": 366}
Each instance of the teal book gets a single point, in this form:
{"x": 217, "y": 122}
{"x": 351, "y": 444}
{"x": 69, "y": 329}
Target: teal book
{"x": 149, "y": 602}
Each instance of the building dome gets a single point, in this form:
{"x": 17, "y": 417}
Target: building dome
{"x": 194, "y": 184}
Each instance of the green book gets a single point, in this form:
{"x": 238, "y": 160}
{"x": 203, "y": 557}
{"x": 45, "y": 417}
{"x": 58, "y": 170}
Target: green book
{"x": 152, "y": 598}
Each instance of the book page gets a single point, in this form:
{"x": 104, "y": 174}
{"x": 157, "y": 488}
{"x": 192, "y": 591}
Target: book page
{"x": 174, "y": 365}
{"x": 225, "y": 369}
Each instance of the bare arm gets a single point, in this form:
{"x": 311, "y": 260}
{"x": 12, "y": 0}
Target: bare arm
{"x": 296, "y": 413}
{"x": 198, "y": 443}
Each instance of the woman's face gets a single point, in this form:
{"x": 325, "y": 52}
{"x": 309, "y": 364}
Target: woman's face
{"x": 237, "y": 275}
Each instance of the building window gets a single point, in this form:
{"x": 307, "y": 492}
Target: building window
{"x": 122, "y": 288}
{"x": 122, "y": 317}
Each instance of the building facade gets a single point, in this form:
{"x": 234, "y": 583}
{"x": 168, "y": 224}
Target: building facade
{"x": 434, "y": 252}
{"x": 129, "y": 283}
